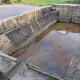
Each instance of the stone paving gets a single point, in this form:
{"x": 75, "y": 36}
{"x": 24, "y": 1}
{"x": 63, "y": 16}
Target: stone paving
{"x": 18, "y": 70}
{"x": 73, "y": 72}
{"x": 28, "y": 74}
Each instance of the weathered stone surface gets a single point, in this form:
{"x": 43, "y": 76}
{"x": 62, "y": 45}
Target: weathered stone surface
{"x": 42, "y": 11}
{"x": 69, "y": 10}
{"x": 77, "y": 75}
{"x": 51, "y": 16}
{"x": 76, "y": 20}
{"x": 22, "y": 29}
{"x": 6, "y": 63}
{"x": 46, "y": 10}
{"x": 35, "y": 25}
{"x": 19, "y": 35}
{"x": 2, "y": 77}
{"x": 64, "y": 19}
{"x": 17, "y": 21}
{"x": 5, "y": 44}
{"x": 46, "y": 19}
{"x": 41, "y": 21}
{"x": 73, "y": 72}
{"x": 27, "y": 28}
{"x": 24, "y": 73}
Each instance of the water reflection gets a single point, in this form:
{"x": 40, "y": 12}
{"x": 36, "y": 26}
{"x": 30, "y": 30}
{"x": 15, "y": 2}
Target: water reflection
{"x": 54, "y": 51}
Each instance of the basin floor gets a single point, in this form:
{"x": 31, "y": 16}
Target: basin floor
{"x": 53, "y": 51}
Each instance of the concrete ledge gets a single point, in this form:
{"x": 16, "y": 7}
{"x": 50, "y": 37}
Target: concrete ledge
{"x": 17, "y": 21}
{"x": 70, "y": 10}
{"x": 71, "y": 71}
{"x": 64, "y": 19}
{"x": 43, "y": 71}
{"x": 22, "y": 35}
{"x": 8, "y": 57}
{"x": 76, "y": 20}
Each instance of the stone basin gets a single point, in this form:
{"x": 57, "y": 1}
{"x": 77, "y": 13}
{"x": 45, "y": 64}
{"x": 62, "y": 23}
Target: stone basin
{"x": 53, "y": 53}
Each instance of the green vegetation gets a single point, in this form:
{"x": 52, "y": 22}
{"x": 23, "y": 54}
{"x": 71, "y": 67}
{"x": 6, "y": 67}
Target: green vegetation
{"x": 15, "y": 27}
{"x": 41, "y": 2}
{"x": 11, "y": 1}
{"x": 31, "y": 65}
{"x": 2, "y": 33}
{"x": 51, "y": 78}
{"x": 49, "y": 2}
{"x": 74, "y": 1}
{"x": 68, "y": 79}
{"x": 37, "y": 2}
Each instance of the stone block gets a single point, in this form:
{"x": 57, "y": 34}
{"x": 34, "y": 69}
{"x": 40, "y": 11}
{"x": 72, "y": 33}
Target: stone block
{"x": 6, "y": 64}
{"x": 41, "y": 22}
{"x": 19, "y": 35}
{"x": 29, "y": 16}
{"x": 46, "y": 10}
{"x": 64, "y": 19}
{"x": 50, "y": 16}
{"x": 77, "y": 74}
{"x": 5, "y": 44}
{"x": 35, "y": 25}
{"x": 76, "y": 20}
{"x": 46, "y": 19}
{"x": 27, "y": 28}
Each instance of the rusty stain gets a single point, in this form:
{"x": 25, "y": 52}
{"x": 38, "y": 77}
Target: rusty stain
{"x": 61, "y": 57}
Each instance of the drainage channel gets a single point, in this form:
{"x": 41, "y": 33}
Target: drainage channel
{"x": 52, "y": 51}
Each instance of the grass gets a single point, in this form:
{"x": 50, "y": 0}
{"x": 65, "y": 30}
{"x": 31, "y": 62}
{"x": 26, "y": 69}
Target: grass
{"x": 43, "y": 2}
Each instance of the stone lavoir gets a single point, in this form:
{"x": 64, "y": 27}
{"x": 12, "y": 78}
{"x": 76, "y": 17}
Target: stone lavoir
{"x": 19, "y": 32}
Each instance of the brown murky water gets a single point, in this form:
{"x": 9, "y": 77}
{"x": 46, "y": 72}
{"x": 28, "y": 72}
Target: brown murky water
{"x": 58, "y": 26}
{"x": 62, "y": 26}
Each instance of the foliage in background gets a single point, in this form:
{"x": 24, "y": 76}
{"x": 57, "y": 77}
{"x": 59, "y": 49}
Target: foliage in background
{"x": 74, "y": 1}
{"x": 41, "y": 2}
{"x": 11, "y": 1}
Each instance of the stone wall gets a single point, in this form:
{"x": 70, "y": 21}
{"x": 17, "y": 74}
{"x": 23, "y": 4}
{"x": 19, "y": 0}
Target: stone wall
{"x": 67, "y": 10}
{"x": 17, "y": 32}
{"x": 2, "y": 77}
{"x": 0, "y": 2}
{"x": 16, "y": 21}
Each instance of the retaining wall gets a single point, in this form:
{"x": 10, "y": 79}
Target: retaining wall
{"x": 17, "y": 32}
{"x": 67, "y": 12}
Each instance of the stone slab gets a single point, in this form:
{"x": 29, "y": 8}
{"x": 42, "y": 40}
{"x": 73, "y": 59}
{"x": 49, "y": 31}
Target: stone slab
{"x": 35, "y": 25}
{"x": 6, "y": 63}
{"x": 73, "y": 72}
{"x": 19, "y": 35}
{"x": 76, "y": 20}
{"x": 64, "y": 19}
{"x": 77, "y": 74}
{"x": 46, "y": 19}
{"x": 25, "y": 73}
